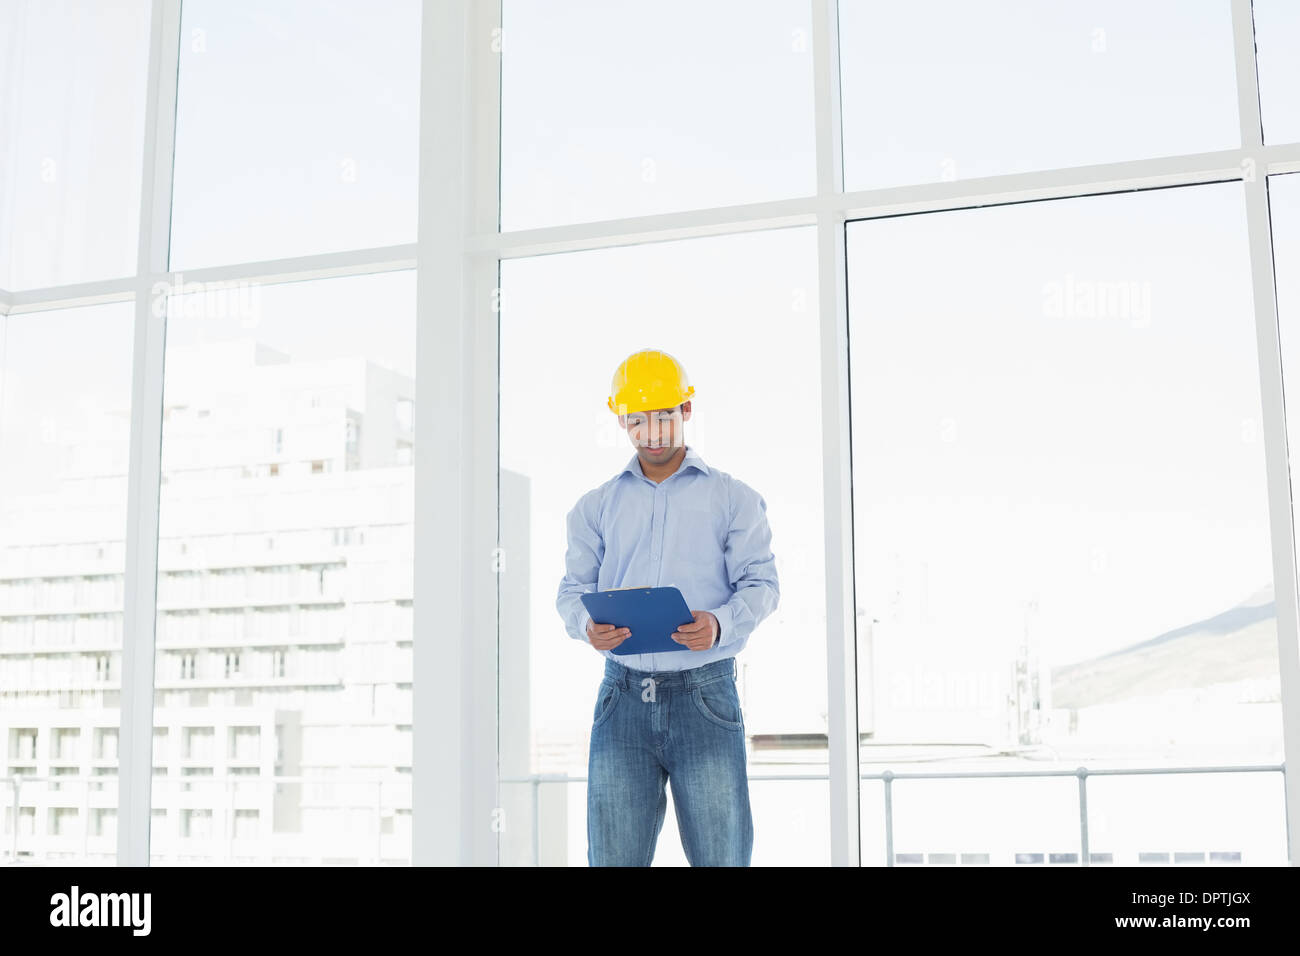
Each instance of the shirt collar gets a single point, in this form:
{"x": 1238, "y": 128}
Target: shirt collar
{"x": 692, "y": 460}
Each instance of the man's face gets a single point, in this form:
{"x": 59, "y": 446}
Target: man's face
{"x": 657, "y": 434}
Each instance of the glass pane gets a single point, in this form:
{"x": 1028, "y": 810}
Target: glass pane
{"x": 65, "y": 399}
{"x": 613, "y": 109}
{"x": 791, "y": 822}
{"x": 950, "y": 89}
{"x": 1061, "y": 522}
{"x": 1284, "y": 210}
{"x": 72, "y": 94}
{"x": 988, "y": 821}
{"x": 283, "y": 669}
{"x": 1129, "y": 823}
{"x": 1277, "y": 38}
{"x": 740, "y": 313}
{"x": 297, "y": 129}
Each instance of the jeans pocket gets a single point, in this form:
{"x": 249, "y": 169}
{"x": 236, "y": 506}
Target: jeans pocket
{"x": 606, "y": 699}
{"x": 718, "y": 703}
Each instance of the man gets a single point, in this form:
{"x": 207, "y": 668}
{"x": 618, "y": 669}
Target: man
{"x": 668, "y": 519}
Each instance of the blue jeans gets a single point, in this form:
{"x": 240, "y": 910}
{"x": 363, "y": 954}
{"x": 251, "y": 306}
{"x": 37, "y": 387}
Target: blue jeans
{"x": 683, "y": 727}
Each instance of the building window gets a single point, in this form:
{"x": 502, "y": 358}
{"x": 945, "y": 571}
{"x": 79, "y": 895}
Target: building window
{"x": 405, "y": 414}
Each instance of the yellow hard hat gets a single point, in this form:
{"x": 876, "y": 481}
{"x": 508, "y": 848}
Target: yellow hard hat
{"x": 647, "y": 380}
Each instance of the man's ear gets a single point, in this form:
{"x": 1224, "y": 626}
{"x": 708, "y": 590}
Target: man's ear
{"x": 686, "y": 412}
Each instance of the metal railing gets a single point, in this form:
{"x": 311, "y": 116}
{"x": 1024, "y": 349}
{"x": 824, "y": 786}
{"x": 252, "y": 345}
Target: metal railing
{"x": 227, "y": 801}
{"x": 887, "y": 777}
{"x": 231, "y": 783}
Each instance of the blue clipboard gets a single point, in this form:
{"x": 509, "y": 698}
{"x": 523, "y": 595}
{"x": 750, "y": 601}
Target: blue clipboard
{"x": 652, "y": 614}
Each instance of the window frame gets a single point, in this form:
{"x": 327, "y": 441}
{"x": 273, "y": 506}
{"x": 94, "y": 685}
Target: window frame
{"x": 457, "y": 257}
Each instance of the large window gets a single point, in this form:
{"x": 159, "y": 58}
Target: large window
{"x": 946, "y": 89}
{"x": 610, "y": 108}
{"x": 977, "y": 294}
{"x": 740, "y": 312}
{"x": 296, "y": 129}
{"x": 65, "y": 401}
{"x": 283, "y": 668}
{"x": 1061, "y": 515}
{"x": 1277, "y": 36}
{"x": 72, "y": 78}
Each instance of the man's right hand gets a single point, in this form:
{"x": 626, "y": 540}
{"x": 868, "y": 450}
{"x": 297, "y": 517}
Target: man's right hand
{"x": 604, "y": 637}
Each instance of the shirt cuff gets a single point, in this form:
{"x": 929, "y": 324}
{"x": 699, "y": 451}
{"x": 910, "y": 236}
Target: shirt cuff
{"x": 582, "y": 626}
{"x": 724, "y": 615}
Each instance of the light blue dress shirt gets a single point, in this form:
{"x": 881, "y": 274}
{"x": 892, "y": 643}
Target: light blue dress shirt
{"x": 699, "y": 529}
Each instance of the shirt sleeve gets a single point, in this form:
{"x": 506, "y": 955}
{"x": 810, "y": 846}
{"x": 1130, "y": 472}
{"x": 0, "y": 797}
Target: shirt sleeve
{"x": 751, "y": 568}
{"x": 586, "y": 549}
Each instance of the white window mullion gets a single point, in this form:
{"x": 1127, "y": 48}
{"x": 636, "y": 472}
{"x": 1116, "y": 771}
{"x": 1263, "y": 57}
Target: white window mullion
{"x": 1277, "y": 470}
{"x": 482, "y": 324}
{"x": 841, "y": 618}
{"x": 454, "y": 667}
{"x": 135, "y": 757}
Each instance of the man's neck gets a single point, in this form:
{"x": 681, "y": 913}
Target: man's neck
{"x": 658, "y": 473}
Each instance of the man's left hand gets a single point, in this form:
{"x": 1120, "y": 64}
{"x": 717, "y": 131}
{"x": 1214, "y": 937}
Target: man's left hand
{"x": 698, "y": 635}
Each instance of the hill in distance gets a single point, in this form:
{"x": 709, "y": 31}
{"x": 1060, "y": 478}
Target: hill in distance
{"x": 1237, "y": 644}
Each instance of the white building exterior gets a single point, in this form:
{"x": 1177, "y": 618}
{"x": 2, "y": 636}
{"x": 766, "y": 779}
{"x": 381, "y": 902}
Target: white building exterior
{"x": 284, "y": 629}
